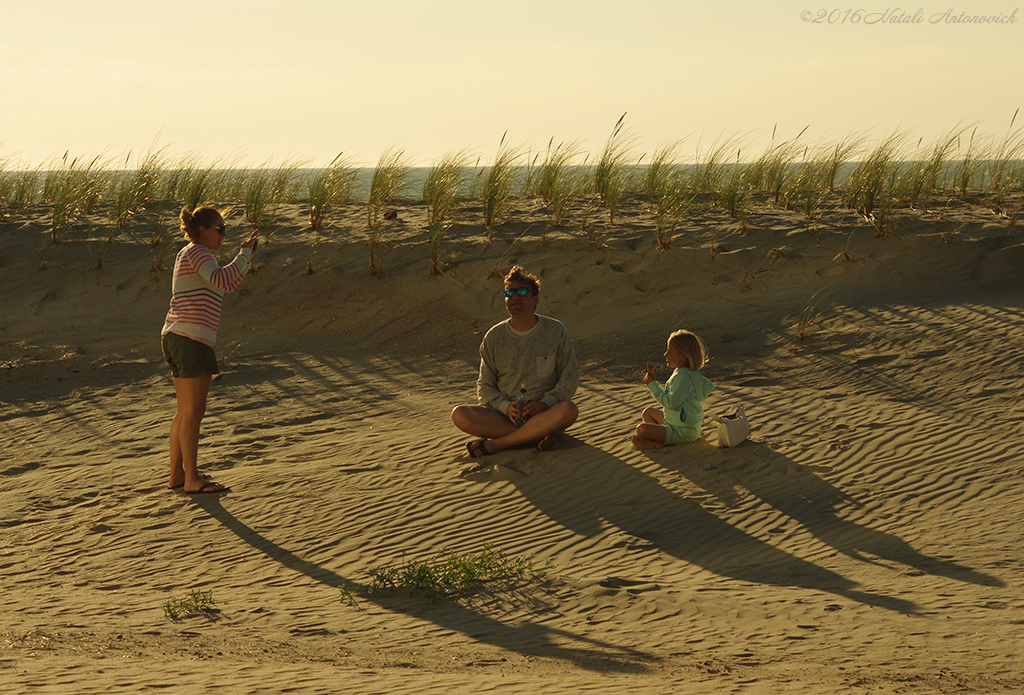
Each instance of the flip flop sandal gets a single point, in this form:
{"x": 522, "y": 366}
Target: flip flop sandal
{"x": 206, "y": 489}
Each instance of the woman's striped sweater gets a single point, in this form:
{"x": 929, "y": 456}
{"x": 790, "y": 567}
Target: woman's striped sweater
{"x": 197, "y": 292}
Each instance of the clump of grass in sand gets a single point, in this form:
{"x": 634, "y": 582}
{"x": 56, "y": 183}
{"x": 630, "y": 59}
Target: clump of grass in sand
{"x": 999, "y": 167}
{"x": 496, "y": 189}
{"x": 671, "y": 202}
{"x": 131, "y": 189}
{"x": 556, "y": 180}
{"x": 447, "y": 575}
{"x": 668, "y": 188}
{"x": 264, "y": 190}
{"x": 22, "y": 188}
{"x": 72, "y": 188}
{"x": 773, "y": 169}
{"x": 328, "y": 188}
{"x": 389, "y": 179}
{"x": 965, "y": 171}
{"x": 871, "y": 187}
{"x": 733, "y": 188}
{"x": 814, "y": 312}
{"x": 612, "y": 173}
{"x": 196, "y": 603}
{"x": 709, "y": 171}
{"x": 441, "y": 190}
{"x": 919, "y": 176}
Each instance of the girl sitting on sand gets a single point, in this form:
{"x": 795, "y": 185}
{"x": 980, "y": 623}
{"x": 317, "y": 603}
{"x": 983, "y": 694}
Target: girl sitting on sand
{"x": 681, "y": 397}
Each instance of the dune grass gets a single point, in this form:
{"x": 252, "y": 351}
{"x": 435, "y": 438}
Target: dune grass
{"x": 971, "y": 154}
{"x": 498, "y": 184}
{"x": 264, "y": 189}
{"x": 129, "y": 190}
{"x": 556, "y": 181}
{"x": 441, "y": 190}
{"x": 669, "y": 189}
{"x": 390, "y": 177}
{"x": 328, "y": 188}
{"x": 871, "y": 187}
{"x": 817, "y": 309}
{"x": 709, "y": 170}
{"x": 613, "y": 170}
{"x": 72, "y": 188}
{"x": 998, "y": 170}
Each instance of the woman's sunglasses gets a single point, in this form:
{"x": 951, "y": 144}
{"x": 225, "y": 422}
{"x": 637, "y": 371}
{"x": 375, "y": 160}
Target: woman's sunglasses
{"x": 521, "y": 291}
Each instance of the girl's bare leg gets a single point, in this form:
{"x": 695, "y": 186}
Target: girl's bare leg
{"x": 649, "y": 436}
{"x": 654, "y": 416}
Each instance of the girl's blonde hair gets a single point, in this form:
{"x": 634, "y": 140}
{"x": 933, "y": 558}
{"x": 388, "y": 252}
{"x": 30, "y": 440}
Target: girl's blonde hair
{"x": 200, "y": 217}
{"x": 690, "y": 345}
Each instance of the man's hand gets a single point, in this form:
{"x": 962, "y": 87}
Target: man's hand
{"x": 529, "y": 410}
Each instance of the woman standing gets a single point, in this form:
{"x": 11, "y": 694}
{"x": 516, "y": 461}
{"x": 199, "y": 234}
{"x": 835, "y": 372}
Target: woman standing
{"x": 190, "y": 332}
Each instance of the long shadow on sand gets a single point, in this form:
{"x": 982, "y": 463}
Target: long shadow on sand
{"x": 528, "y": 638}
{"x": 800, "y": 494}
{"x": 589, "y": 485}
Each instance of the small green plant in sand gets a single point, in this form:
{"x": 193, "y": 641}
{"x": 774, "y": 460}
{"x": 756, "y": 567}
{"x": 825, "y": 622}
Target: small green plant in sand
{"x": 196, "y": 603}
{"x": 612, "y": 172}
{"x": 389, "y": 179}
{"x": 447, "y": 575}
{"x": 496, "y": 189}
{"x": 813, "y": 313}
{"x": 441, "y": 190}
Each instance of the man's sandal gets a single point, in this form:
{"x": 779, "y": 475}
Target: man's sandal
{"x": 477, "y": 448}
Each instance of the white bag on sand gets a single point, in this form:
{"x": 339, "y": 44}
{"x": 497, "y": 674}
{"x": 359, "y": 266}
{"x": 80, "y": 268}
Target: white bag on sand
{"x": 732, "y": 429}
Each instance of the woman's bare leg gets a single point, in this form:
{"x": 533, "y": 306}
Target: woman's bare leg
{"x": 184, "y": 441}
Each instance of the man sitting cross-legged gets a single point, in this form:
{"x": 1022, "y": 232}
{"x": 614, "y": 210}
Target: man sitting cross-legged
{"x": 524, "y": 350}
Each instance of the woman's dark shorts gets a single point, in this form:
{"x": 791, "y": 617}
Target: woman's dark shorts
{"x": 188, "y": 358}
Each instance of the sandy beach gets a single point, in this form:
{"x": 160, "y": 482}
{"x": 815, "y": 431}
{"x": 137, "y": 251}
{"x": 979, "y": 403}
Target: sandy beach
{"x": 867, "y": 537}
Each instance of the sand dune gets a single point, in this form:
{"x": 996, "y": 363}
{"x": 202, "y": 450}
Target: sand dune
{"x": 866, "y": 538}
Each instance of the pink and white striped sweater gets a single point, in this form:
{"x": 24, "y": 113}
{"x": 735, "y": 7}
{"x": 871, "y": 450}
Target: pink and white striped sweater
{"x": 197, "y": 292}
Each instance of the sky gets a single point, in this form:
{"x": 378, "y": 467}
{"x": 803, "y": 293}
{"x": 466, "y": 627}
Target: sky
{"x": 303, "y": 80}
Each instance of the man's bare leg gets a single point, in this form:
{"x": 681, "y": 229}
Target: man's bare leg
{"x": 499, "y": 433}
{"x": 552, "y": 421}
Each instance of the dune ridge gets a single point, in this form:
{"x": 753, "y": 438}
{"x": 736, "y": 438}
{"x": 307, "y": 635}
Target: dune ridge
{"x": 866, "y": 538}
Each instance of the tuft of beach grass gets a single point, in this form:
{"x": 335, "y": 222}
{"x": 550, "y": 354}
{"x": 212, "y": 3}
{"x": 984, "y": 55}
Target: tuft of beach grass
{"x": 390, "y": 177}
{"x": 556, "y": 181}
{"x": 328, "y": 188}
{"x": 441, "y": 190}
{"x": 498, "y": 183}
{"x": 612, "y": 171}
